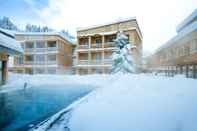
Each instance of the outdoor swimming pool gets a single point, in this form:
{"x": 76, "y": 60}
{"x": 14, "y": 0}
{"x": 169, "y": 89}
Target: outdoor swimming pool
{"x": 19, "y": 109}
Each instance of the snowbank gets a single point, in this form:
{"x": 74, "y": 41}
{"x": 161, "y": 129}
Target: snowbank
{"x": 133, "y": 103}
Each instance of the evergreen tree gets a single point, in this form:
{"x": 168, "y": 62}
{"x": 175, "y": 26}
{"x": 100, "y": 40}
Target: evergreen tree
{"x": 122, "y": 59}
{"x": 6, "y": 23}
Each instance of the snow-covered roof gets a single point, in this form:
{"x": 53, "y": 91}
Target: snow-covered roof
{"x": 7, "y": 41}
{"x": 108, "y": 23}
{"x": 187, "y": 30}
{"x": 101, "y": 33}
{"x": 8, "y": 32}
{"x": 187, "y": 21}
{"x": 65, "y": 37}
{"x": 114, "y": 22}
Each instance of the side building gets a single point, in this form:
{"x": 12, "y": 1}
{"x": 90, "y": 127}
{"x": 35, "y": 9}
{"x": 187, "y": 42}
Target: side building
{"x": 44, "y": 53}
{"x": 95, "y": 45}
{"x": 8, "y": 47}
{"x": 179, "y": 54}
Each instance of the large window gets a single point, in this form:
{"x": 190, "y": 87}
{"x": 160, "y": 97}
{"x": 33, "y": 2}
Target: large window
{"x": 40, "y": 44}
{"x": 29, "y": 58}
{"x": 19, "y": 60}
{"x": 29, "y": 45}
{"x": 40, "y": 58}
{"x": 51, "y": 57}
{"x": 98, "y": 57}
{"x": 39, "y": 71}
{"x": 51, "y": 71}
{"x": 51, "y": 44}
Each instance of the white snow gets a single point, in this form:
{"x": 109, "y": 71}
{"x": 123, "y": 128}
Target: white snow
{"x": 72, "y": 41}
{"x": 132, "y": 103}
{"x": 120, "y": 20}
{"x": 10, "y": 43}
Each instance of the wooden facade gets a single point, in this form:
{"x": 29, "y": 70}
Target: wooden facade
{"x": 44, "y": 53}
{"x": 95, "y": 46}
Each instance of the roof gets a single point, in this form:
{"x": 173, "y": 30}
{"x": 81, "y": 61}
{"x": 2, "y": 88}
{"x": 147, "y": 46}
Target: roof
{"x": 187, "y": 30}
{"x": 109, "y": 23}
{"x": 187, "y": 21}
{"x": 63, "y": 36}
{"x": 8, "y": 32}
{"x": 113, "y": 22}
{"x": 8, "y": 42}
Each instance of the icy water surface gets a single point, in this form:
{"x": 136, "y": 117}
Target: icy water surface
{"x": 19, "y": 109}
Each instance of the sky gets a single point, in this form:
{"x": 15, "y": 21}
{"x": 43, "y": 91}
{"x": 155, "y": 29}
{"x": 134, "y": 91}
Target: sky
{"x": 157, "y": 19}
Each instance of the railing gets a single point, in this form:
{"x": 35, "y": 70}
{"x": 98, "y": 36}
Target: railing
{"x": 52, "y": 48}
{"x": 96, "y": 45}
{"x": 109, "y": 44}
{"x": 29, "y": 49}
{"x": 83, "y": 47}
{"x": 40, "y": 62}
{"x": 51, "y": 62}
{"x": 83, "y": 62}
{"x": 95, "y": 62}
{"x": 107, "y": 61}
{"x": 29, "y": 62}
{"x": 40, "y": 49}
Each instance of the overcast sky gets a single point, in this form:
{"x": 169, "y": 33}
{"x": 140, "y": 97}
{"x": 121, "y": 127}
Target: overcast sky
{"x": 157, "y": 18}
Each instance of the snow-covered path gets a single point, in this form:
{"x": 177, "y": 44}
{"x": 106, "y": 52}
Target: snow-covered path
{"x": 135, "y": 102}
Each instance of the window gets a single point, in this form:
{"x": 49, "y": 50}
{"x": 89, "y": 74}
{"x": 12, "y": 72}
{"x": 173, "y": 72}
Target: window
{"x": 19, "y": 60}
{"x": 51, "y": 44}
{"x": 98, "y": 57}
{"x": 29, "y": 58}
{"x": 40, "y": 58}
{"x": 51, "y": 57}
{"x": 98, "y": 41}
{"x": 51, "y": 70}
{"x": 23, "y": 45}
{"x": 111, "y": 38}
{"x": 40, "y": 44}
{"x": 39, "y": 71}
{"x": 29, "y": 45}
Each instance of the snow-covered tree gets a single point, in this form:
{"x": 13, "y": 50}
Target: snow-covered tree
{"x": 122, "y": 59}
{"x": 6, "y": 23}
{"x": 35, "y": 28}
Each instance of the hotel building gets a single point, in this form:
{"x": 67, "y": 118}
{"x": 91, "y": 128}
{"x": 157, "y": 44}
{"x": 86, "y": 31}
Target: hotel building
{"x": 44, "y": 53}
{"x": 179, "y": 54}
{"x": 95, "y": 45}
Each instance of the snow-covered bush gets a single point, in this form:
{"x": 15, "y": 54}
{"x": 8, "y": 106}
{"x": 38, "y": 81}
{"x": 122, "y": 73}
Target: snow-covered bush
{"x": 122, "y": 59}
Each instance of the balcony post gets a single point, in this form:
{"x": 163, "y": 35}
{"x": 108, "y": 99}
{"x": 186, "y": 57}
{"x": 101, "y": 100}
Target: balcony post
{"x": 103, "y": 53}
{"x": 89, "y": 41}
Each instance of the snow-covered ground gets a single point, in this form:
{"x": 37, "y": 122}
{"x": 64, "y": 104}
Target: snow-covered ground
{"x": 130, "y": 103}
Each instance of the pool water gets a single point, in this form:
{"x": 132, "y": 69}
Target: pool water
{"x": 19, "y": 109}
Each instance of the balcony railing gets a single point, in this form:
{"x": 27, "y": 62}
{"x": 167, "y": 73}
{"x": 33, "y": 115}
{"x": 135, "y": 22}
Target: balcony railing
{"x": 94, "y": 62}
{"x": 29, "y": 62}
{"x": 40, "y": 49}
{"x": 52, "y": 48}
{"x": 29, "y": 49}
{"x": 40, "y": 62}
{"x": 83, "y": 62}
{"x": 50, "y": 62}
{"x": 96, "y": 45}
{"x": 107, "y": 61}
{"x": 109, "y": 44}
{"x": 83, "y": 47}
